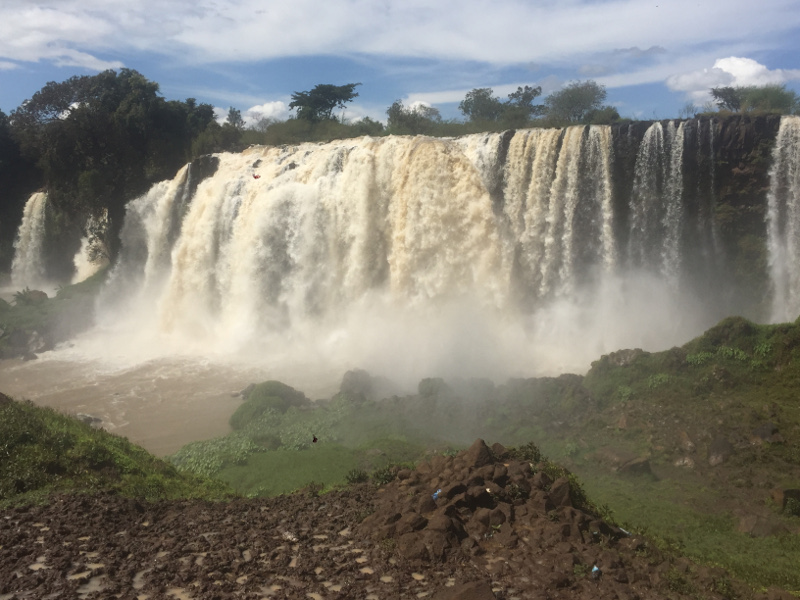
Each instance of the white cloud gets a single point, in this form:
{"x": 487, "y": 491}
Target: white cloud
{"x": 499, "y": 32}
{"x": 277, "y": 110}
{"x": 7, "y": 66}
{"x": 732, "y": 71}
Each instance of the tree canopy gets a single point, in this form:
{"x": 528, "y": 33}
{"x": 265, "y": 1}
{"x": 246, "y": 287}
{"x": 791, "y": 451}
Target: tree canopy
{"x": 575, "y": 102}
{"x": 319, "y": 103}
{"x": 100, "y": 140}
{"x": 770, "y": 98}
{"x": 481, "y": 104}
{"x": 413, "y": 120}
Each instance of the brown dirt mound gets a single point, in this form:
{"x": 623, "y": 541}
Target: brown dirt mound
{"x": 497, "y": 529}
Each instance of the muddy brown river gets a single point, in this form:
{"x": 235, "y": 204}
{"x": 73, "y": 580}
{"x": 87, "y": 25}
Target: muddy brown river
{"x": 160, "y": 404}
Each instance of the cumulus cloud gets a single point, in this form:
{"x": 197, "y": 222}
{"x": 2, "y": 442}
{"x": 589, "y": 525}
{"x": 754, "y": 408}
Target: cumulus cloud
{"x": 733, "y": 71}
{"x": 276, "y": 111}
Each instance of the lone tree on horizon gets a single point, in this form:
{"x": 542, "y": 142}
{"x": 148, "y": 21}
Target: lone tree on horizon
{"x": 319, "y": 103}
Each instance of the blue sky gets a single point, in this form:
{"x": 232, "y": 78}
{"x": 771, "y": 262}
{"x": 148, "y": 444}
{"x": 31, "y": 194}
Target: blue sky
{"x": 653, "y": 56}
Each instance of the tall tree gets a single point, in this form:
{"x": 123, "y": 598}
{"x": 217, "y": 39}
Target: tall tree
{"x": 727, "y": 98}
{"x": 235, "y": 119}
{"x": 481, "y": 104}
{"x": 576, "y": 101}
{"x": 319, "y": 103}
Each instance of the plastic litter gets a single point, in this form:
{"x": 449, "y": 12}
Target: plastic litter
{"x": 596, "y": 573}
{"x": 435, "y": 495}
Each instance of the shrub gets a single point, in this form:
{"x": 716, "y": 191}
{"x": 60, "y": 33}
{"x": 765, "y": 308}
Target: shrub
{"x": 268, "y": 396}
{"x": 698, "y": 359}
{"x": 356, "y": 476}
{"x": 658, "y": 380}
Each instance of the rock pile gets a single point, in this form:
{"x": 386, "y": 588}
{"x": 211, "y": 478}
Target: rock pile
{"x": 482, "y": 525}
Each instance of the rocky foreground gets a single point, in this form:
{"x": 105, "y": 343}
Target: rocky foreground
{"x": 476, "y": 526}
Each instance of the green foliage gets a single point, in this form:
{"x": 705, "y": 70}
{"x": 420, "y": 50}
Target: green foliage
{"x": 44, "y": 452}
{"x": 28, "y": 297}
{"x": 269, "y": 397}
{"x": 294, "y": 131}
{"x": 319, "y": 103}
{"x": 728, "y": 353}
{"x": 767, "y": 98}
{"x": 529, "y": 452}
{"x": 624, "y": 393}
{"x": 356, "y": 476}
{"x": 208, "y": 457}
{"x": 101, "y": 140}
{"x": 763, "y": 349}
{"x": 575, "y": 102}
{"x": 384, "y": 475}
{"x": 418, "y": 119}
{"x": 53, "y": 319}
{"x": 481, "y": 106}
{"x": 792, "y": 507}
{"x": 658, "y": 380}
{"x": 699, "y": 358}
{"x": 234, "y": 118}
{"x": 727, "y": 98}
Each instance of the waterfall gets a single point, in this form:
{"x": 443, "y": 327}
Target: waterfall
{"x": 783, "y": 221}
{"x": 92, "y": 255}
{"x": 656, "y": 204}
{"x": 27, "y": 267}
{"x": 488, "y": 253}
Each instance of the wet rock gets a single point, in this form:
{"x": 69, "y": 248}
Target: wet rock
{"x": 478, "y": 455}
{"x": 560, "y": 492}
{"x": 637, "y": 466}
{"x": 758, "y": 526}
{"x": 719, "y": 451}
{"x": 623, "y": 358}
{"x": 686, "y": 444}
{"x": 88, "y": 419}
{"x": 765, "y": 431}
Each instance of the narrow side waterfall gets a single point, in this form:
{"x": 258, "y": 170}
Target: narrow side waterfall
{"x": 656, "y": 202}
{"x": 783, "y": 221}
{"x": 27, "y": 267}
{"x": 92, "y": 255}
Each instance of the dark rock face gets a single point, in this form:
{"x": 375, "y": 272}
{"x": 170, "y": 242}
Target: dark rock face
{"x": 725, "y": 176}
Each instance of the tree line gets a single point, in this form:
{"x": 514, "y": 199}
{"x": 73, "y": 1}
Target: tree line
{"x": 96, "y": 142}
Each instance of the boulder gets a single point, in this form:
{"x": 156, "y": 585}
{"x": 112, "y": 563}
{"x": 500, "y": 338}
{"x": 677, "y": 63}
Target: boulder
{"x": 719, "y": 451}
{"x": 782, "y": 497}
{"x": 478, "y": 455}
{"x": 637, "y": 466}
{"x": 758, "y": 526}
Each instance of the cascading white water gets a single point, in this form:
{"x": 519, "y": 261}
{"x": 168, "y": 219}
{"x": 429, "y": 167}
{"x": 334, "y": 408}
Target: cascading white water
{"x": 409, "y": 256}
{"x": 27, "y": 267}
{"x": 783, "y": 221}
{"x": 92, "y": 255}
{"x": 490, "y": 255}
{"x": 656, "y": 202}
